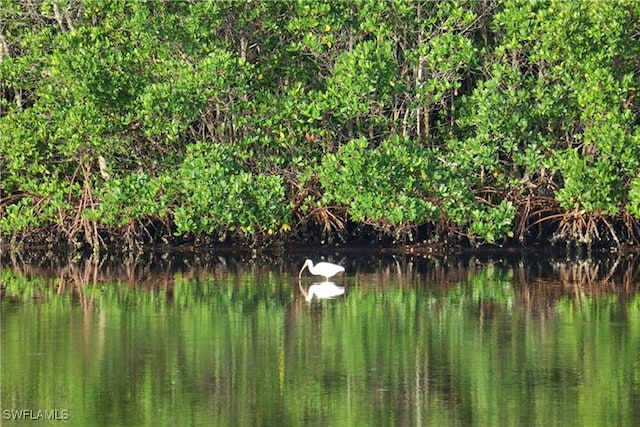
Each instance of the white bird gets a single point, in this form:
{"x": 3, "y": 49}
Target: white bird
{"x": 324, "y": 269}
{"x": 322, "y": 290}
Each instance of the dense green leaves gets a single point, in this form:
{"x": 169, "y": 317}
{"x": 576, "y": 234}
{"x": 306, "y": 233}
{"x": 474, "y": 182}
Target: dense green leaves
{"x": 388, "y": 183}
{"x": 219, "y": 116}
{"x": 216, "y": 194}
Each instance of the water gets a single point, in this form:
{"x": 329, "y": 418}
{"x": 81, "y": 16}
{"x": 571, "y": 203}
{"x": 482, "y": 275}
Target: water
{"x": 221, "y": 340}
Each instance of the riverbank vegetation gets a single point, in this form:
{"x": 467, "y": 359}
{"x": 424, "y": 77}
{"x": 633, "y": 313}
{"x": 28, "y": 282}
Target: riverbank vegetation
{"x": 130, "y": 122}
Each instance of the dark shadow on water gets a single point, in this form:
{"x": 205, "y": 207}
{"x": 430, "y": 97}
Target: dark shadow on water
{"x": 537, "y": 277}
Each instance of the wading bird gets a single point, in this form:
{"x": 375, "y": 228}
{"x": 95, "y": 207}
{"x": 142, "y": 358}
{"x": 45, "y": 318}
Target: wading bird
{"x": 322, "y": 290}
{"x": 324, "y": 269}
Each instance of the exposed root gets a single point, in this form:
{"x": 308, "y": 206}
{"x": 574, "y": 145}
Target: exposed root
{"x": 535, "y": 212}
{"x": 78, "y": 226}
{"x": 328, "y": 220}
{"x": 593, "y": 228}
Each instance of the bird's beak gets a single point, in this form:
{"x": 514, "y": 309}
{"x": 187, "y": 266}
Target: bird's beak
{"x": 301, "y": 270}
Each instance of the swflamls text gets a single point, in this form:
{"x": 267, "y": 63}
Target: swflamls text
{"x": 35, "y": 414}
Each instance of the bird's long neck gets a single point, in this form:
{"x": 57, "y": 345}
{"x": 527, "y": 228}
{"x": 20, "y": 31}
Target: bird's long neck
{"x": 305, "y": 293}
{"x": 309, "y": 264}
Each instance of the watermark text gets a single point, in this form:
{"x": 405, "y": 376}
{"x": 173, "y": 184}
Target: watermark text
{"x": 35, "y": 414}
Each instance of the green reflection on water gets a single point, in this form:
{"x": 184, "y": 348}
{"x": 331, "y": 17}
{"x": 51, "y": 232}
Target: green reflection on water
{"x": 248, "y": 350}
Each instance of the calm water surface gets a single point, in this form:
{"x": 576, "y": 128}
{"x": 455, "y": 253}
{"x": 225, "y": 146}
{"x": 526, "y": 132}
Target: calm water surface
{"x": 224, "y": 340}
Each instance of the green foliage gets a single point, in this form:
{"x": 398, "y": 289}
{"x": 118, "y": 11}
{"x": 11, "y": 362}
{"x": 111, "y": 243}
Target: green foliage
{"x": 215, "y": 116}
{"x": 217, "y": 195}
{"x": 634, "y": 197}
{"x": 378, "y": 184}
{"x": 135, "y": 197}
{"x": 363, "y": 78}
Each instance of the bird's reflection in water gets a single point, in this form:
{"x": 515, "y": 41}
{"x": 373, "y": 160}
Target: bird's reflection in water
{"x": 323, "y": 290}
